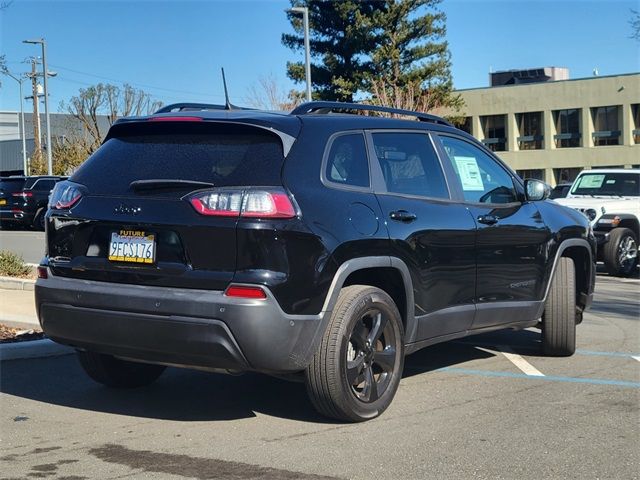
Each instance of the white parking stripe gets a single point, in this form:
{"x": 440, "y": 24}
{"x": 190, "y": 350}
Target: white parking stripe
{"x": 520, "y": 362}
{"x": 637, "y": 358}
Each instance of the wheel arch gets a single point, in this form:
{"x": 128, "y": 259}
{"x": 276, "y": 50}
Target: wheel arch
{"x": 631, "y": 222}
{"x": 390, "y": 274}
{"x": 580, "y": 252}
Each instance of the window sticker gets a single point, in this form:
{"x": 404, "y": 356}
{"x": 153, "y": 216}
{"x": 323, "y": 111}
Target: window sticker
{"x": 469, "y": 173}
{"x": 611, "y": 181}
{"x": 591, "y": 181}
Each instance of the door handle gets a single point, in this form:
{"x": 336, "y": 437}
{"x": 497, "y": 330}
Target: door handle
{"x": 488, "y": 219}
{"x": 402, "y": 216}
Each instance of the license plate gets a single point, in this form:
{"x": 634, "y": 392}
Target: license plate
{"x": 3, "y": 201}
{"x": 133, "y": 246}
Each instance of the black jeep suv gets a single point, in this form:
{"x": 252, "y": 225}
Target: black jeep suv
{"x": 23, "y": 200}
{"x": 318, "y": 242}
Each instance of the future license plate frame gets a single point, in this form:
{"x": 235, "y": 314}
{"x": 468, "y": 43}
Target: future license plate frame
{"x": 132, "y": 246}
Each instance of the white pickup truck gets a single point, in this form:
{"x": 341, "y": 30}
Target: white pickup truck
{"x": 610, "y": 198}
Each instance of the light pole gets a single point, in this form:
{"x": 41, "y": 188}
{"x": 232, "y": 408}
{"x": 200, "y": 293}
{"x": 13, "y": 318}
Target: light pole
{"x": 22, "y": 131}
{"x": 46, "y": 99}
{"x": 307, "y": 54}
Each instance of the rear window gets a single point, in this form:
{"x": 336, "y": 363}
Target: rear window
{"x": 225, "y": 155}
{"x": 8, "y": 185}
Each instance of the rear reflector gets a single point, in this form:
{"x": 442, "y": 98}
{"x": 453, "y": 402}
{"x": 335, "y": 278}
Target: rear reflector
{"x": 240, "y": 291}
{"x": 42, "y": 272}
{"x": 24, "y": 194}
{"x": 175, "y": 119}
{"x": 252, "y": 203}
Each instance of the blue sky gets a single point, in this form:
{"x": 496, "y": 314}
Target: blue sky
{"x": 174, "y": 49}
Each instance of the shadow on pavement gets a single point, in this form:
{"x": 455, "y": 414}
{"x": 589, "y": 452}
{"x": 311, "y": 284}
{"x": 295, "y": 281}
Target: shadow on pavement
{"x": 188, "y": 395}
{"x": 449, "y": 354}
{"x": 179, "y": 394}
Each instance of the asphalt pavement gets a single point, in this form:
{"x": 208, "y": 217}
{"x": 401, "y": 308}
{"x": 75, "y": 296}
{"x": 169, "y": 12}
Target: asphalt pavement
{"x": 485, "y": 407}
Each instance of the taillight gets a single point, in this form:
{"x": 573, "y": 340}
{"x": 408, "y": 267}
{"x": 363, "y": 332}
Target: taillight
{"x": 65, "y": 195}
{"x": 23, "y": 194}
{"x": 243, "y": 291}
{"x": 252, "y": 203}
{"x": 42, "y": 272}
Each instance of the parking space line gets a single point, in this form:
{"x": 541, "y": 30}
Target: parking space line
{"x": 607, "y": 354}
{"x": 535, "y": 350}
{"x": 591, "y": 381}
{"x": 519, "y": 362}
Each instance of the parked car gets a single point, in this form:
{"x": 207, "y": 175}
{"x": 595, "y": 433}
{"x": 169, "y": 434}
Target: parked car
{"x": 23, "y": 200}
{"x": 318, "y": 245}
{"x": 560, "y": 191}
{"x": 610, "y": 198}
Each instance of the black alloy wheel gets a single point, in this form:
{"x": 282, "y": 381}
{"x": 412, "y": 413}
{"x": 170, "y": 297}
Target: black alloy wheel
{"x": 371, "y": 356}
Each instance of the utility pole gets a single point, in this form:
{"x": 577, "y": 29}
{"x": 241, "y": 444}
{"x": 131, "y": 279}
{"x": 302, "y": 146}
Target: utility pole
{"x": 37, "y": 151}
{"x": 45, "y": 76}
{"x": 307, "y": 53}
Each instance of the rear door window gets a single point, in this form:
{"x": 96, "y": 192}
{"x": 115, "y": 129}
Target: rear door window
{"x": 409, "y": 164}
{"x": 222, "y": 154}
{"x": 43, "y": 185}
{"x": 347, "y": 162}
{"x": 482, "y": 179}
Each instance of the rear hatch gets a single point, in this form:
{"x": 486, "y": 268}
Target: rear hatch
{"x": 10, "y": 190}
{"x": 135, "y": 223}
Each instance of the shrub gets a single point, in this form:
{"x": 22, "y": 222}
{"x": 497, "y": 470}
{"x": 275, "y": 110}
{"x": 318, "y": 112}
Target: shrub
{"x": 13, "y": 265}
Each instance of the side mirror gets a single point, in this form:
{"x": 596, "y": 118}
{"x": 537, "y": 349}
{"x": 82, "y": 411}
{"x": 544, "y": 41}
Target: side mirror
{"x": 536, "y": 190}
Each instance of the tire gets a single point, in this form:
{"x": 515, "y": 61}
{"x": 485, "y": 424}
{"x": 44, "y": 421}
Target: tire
{"x": 116, "y": 373}
{"x": 559, "y": 317}
{"x": 38, "y": 221}
{"x": 352, "y": 378}
{"x": 621, "y": 252}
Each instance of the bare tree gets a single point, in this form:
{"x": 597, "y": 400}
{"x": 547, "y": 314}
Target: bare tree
{"x": 110, "y": 101}
{"x": 635, "y": 25}
{"x": 5, "y": 4}
{"x": 412, "y": 96}
{"x": 268, "y": 95}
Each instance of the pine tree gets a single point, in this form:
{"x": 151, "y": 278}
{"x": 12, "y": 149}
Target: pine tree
{"x": 412, "y": 60}
{"x": 341, "y": 42}
{"x": 393, "y": 52}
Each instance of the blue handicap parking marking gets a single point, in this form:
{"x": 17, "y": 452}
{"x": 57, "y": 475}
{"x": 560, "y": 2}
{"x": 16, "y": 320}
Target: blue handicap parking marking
{"x": 552, "y": 378}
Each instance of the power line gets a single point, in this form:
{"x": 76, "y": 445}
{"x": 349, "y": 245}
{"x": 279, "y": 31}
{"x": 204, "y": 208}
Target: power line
{"x": 153, "y": 87}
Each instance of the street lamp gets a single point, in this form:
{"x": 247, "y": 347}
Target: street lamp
{"x": 43, "y": 44}
{"x": 22, "y": 131}
{"x": 305, "y": 19}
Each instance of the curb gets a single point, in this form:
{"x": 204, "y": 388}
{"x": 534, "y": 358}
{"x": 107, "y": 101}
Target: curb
{"x": 10, "y": 283}
{"x": 32, "y": 349}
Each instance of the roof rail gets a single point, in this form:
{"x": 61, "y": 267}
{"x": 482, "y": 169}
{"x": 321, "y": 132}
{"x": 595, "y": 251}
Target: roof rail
{"x": 328, "y": 107}
{"x": 183, "y": 107}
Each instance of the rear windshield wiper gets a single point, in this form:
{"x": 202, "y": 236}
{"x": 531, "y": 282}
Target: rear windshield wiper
{"x": 167, "y": 183}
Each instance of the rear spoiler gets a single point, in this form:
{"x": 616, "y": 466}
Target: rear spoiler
{"x": 122, "y": 124}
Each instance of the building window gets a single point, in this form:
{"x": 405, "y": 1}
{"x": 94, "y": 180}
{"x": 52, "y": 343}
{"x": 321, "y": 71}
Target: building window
{"x": 494, "y": 132}
{"x": 635, "y": 113}
{"x": 565, "y": 175}
{"x": 567, "y": 128}
{"x": 606, "y": 130}
{"x": 537, "y": 174}
{"x": 530, "y": 130}
{"x": 465, "y": 126}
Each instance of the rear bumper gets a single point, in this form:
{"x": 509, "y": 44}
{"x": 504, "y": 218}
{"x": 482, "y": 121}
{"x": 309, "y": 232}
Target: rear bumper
{"x": 15, "y": 216}
{"x": 184, "y": 327}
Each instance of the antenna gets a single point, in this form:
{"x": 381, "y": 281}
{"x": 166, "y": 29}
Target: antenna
{"x": 227, "y": 104}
